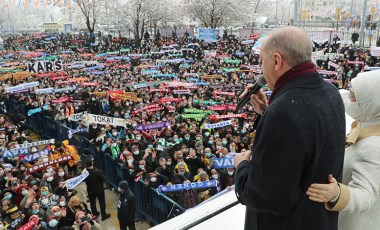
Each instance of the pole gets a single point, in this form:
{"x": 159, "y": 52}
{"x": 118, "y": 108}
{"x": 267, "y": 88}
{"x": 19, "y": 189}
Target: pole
{"x": 276, "y": 13}
{"x": 352, "y": 8}
{"x": 362, "y": 24}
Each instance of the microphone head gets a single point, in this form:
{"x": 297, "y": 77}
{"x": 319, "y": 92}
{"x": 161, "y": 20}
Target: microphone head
{"x": 261, "y": 81}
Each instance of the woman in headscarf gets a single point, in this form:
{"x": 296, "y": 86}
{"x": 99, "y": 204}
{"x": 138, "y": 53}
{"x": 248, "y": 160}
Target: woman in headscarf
{"x": 358, "y": 196}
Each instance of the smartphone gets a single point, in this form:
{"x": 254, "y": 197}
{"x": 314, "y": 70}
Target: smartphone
{"x": 85, "y": 219}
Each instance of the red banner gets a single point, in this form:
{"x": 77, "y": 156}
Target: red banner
{"x": 171, "y": 99}
{"x": 216, "y": 92}
{"x": 42, "y": 166}
{"x": 144, "y": 108}
{"x": 61, "y": 100}
{"x": 28, "y": 226}
{"x": 215, "y": 117}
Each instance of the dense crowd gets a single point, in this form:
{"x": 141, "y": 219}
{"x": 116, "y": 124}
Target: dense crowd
{"x": 117, "y": 78}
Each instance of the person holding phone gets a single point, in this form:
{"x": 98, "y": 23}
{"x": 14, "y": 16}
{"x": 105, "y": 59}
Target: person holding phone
{"x": 84, "y": 222}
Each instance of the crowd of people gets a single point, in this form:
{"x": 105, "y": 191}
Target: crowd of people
{"x": 179, "y": 81}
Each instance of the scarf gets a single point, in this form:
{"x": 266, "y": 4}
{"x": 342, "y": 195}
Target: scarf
{"x": 297, "y": 71}
{"x": 357, "y": 133}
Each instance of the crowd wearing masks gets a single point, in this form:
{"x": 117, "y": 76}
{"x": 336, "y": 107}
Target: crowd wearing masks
{"x": 174, "y": 81}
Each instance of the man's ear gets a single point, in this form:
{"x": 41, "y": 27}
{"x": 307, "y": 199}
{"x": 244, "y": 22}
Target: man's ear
{"x": 278, "y": 61}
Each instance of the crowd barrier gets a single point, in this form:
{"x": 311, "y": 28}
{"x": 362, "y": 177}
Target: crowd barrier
{"x": 155, "y": 207}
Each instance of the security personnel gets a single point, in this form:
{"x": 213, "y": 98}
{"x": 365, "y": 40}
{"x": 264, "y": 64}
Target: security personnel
{"x": 126, "y": 207}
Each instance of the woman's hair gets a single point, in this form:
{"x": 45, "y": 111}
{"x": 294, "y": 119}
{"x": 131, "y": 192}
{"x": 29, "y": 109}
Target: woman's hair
{"x": 74, "y": 199}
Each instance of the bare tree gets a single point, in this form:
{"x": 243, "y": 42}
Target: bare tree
{"x": 89, "y": 9}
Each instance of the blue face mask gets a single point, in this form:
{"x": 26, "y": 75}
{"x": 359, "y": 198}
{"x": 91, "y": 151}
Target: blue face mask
{"x": 182, "y": 173}
{"x": 45, "y": 193}
{"x": 150, "y": 146}
{"x": 8, "y": 196}
{"x": 187, "y": 138}
{"x": 210, "y": 142}
{"x": 53, "y": 223}
{"x": 36, "y": 211}
{"x": 208, "y": 155}
{"x": 116, "y": 115}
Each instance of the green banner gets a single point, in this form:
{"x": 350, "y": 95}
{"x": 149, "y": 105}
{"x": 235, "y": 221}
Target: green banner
{"x": 195, "y": 102}
{"x": 185, "y": 66}
{"x": 198, "y": 111}
{"x": 194, "y": 115}
{"x": 236, "y": 61}
{"x": 225, "y": 69}
{"x": 115, "y": 52}
{"x": 124, "y": 50}
{"x": 51, "y": 58}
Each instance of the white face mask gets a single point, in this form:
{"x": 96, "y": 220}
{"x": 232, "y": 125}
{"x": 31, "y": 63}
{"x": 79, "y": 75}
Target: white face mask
{"x": 141, "y": 167}
{"x": 61, "y": 174}
{"x": 22, "y": 168}
{"x": 130, "y": 161}
{"x": 1, "y": 226}
{"x": 352, "y": 109}
{"x": 62, "y": 203}
{"x": 44, "y": 201}
{"x": 230, "y": 173}
{"x": 1, "y": 172}
{"x": 57, "y": 213}
{"x": 45, "y": 160}
{"x": 153, "y": 179}
{"x": 24, "y": 193}
{"x": 50, "y": 179}
{"x": 215, "y": 176}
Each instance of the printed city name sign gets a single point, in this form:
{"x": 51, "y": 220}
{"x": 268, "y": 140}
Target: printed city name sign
{"x": 45, "y": 66}
{"x": 42, "y": 166}
{"x": 223, "y": 163}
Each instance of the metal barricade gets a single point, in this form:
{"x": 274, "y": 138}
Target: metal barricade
{"x": 157, "y": 208}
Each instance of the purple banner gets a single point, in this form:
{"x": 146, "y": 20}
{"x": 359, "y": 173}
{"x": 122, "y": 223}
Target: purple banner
{"x": 158, "y": 125}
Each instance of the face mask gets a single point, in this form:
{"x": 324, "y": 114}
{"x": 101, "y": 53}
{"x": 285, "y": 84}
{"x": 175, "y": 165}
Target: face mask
{"x": 1, "y": 172}
{"x": 218, "y": 147}
{"x": 49, "y": 179}
{"x": 2, "y": 136}
{"x": 22, "y": 168}
{"x": 33, "y": 150}
{"x": 14, "y": 183}
{"x": 169, "y": 163}
{"x": 116, "y": 115}
{"x": 36, "y": 211}
{"x": 61, "y": 174}
{"x": 208, "y": 155}
{"x": 130, "y": 161}
{"x": 45, "y": 160}
{"x": 207, "y": 134}
{"x": 352, "y": 108}
{"x": 137, "y": 152}
{"x": 53, "y": 223}
{"x": 54, "y": 203}
{"x": 153, "y": 179}
{"x": 120, "y": 189}
{"x": 216, "y": 136}
{"x": 187, "y": 138}
{"x": 138, "y": 138}
{"x": 150, "y": 146}
{"x": 44, "y": 201}
{"x": 230, "y": 173}
{"x": 94, "y": 126}
{"x": 1, "y": 226}
{"x": 8, "y": 197}
{"x": 114, "y": 133}
{"x": 62, "y": 203}
{"x": 24, "y": 192}
{"x": 182, "y": 173}
{"x": 175, "y": 139}
{"x": 113, "y": 145}
{"x": 210, "y": 142}
{"x": 198, "y": 138}
{"x": 141, "y": 167}
{"x": 215, "y": 176}
{"x": 134, "y": 125}
{"x": 243, "y": 131}
{"x": 57, "y": 213}
{"x": 224, "y": 142}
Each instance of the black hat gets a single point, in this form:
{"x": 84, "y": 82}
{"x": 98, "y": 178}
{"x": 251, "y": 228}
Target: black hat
{"x": 124, "y": 185}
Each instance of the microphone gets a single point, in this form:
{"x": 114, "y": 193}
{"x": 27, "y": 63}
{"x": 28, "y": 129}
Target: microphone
{"x": 260, "y": 82}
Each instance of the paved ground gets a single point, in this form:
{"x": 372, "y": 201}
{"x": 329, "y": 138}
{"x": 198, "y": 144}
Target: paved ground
{"x": 111, "y": 202}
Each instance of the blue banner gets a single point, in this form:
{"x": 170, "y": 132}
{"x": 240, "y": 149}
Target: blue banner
{"x": 201, "y": 83}
{"x": 192, "y": 79}
{"x": 35, "y": 156}
{"x": 74, "y": 131}
{"x": 222, "y": 163}
{"x": 14, "y": 152}
{"x": 161, "y": 75}
{"x": 208, "y": 34}
{"x": 37, "y": 110}
{"x": 193, "y": 185}
{"x": 93, "y": 67}
{"x": 98, "y": 72}
{"x": 147, "y": 72}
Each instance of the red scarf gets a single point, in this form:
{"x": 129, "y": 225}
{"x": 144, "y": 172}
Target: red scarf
{"x": 296, "y": 71}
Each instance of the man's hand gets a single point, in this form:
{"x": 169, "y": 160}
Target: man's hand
{"x": 259, "y": 102}
{"x": 241, "y": 157}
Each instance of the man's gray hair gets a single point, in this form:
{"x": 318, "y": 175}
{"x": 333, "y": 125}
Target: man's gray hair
{"x": 292, "y": 43}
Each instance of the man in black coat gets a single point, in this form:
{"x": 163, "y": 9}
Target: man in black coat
{"x": 300, "y": 139}
{"x": 95, "y": 189}
{"x": 126, "y": 207}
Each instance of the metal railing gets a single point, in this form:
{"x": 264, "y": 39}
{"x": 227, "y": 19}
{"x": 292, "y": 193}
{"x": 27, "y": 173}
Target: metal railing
{"x": 155, "y": 207}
